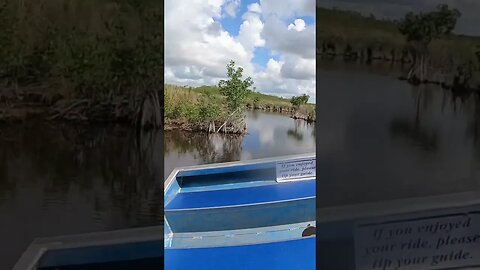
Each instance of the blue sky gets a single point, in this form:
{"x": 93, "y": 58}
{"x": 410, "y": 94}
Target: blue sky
{"x": 262, "y": 54}
{"x": 275, "y": 44}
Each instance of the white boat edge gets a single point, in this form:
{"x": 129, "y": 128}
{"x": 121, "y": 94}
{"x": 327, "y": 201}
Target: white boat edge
{"x": 39, "y": 246}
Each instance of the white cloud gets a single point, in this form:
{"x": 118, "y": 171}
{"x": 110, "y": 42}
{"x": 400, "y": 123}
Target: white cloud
{"x": 298, "y": 68}
{"x": 231, "y": 7}
{"x": 272, "y": 82}
{"x": 298, "y": 25}
{"x": 288, "y": 8}
{"x": 197, "y": 47}
{"x": 255, "y": 7}
{"x": 250, "y": 34}
{"x": 280, "y": 38}
{"x": 200, "y": 44}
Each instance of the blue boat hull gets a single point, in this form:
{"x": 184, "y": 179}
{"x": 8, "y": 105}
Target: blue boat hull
{"x": 294, "y": 254}
{"x": 240, "y": 216}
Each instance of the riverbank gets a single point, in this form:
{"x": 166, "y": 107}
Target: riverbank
{"x": 58, "y": 66}
{"x": 36, "y": 103}
{"x": 454, "y": 60}
{"x": 203, "y": 109}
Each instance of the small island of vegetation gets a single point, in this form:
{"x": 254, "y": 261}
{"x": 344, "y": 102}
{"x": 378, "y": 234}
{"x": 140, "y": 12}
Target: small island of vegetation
{"x": 222, "y": 108}
{"x": 424, "y": 42}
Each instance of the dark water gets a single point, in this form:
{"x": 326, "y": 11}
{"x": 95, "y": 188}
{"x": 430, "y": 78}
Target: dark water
{"x": 380, "y": 138}
{"x": 269, "y": 135}
{"x": 64, "y": 180}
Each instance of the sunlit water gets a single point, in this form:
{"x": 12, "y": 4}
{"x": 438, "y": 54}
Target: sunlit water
{"x": 58, "y": 180}
{"x": 269, "y": 135}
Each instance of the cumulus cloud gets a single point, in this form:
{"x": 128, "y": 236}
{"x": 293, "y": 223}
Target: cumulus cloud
{"x": 298, "y": 68}
{"x": 273, "y": 82}
{"x": 200, "y": 43}
{"x": 197, "y": 46}
{"x": 297, "y": 25}
{"x": 284, "y": 39}
{"x": 250, "y": 34}
{"x": 255, "y": 7}
{"x": 231, "y": 7}
{"x": 288, "y": 8}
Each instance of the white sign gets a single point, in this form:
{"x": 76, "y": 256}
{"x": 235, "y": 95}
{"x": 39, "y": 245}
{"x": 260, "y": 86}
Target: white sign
{"x": 296, "y": 170}
{"x": 444, "y": 242}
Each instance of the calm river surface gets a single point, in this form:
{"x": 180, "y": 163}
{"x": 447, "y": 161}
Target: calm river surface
{"x": 269, "y": 135}
{"x": 66, "y": 180}
{"x": 380, "y": 138}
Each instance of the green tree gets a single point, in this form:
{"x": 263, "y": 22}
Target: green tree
{"x": 424, "y": 27}
{"x": 235, "y": 89}
{"x": 420, "y": 29}
{"x": 300, "y": 100}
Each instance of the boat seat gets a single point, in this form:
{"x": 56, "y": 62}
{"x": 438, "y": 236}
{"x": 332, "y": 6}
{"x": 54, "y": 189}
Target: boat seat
{"x": 242, "y": 208}
{"x": 242, "y": 196}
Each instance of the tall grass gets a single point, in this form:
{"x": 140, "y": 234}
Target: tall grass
{"x": 342, "y": 32}
{"x": 205, "y": 104}
{"x": 254, "y": 99}
{"x": 95, "y": 49}
{"x": 193, "y": 106}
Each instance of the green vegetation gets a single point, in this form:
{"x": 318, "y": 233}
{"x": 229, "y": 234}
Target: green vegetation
{"x": 194, "y": 105}
{"x": 208, "y": 107}
{"x": 83, "y": 49}
{"x": 234, "y": 89}
{"x": 204, "y": 104}
{"x": 365, "y": 39}
{"x": 420, "y": 30}
{"x": 300, "y": 100}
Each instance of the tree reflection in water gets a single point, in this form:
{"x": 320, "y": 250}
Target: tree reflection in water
{"x": 208, "y": 148}
{"x": 296, "y": 132}
{"x": 114, "y": 166}
{"x": 411, "y": 129}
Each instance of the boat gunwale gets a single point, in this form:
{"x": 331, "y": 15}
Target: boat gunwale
{"x": 243, "y": 244}
{"x": 238, "y": 232}
{"x": 241, "y": 205}
{"x": 172, "y": 176}
{"x": 41, "y": 245}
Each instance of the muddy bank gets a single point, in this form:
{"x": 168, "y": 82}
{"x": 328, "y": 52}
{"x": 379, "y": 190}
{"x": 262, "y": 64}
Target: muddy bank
{"x": 211, "y": 127}
{"x": 271, "y": 108}
{"x": 302, "y": 116}
{"x": 285, "y": 110}
{"x": 143, "y": 110}
{"x": 460, "y": 77}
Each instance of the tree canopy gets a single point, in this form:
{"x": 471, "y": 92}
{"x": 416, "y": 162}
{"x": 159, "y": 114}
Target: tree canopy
{"x": 235, "y": 89}
{"x": 424, "y": 27}
{"x": 299, "y": 100}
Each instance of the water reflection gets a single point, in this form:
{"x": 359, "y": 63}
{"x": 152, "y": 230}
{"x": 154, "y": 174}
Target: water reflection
{"x": 411, "y": 129}
{"x": 65, "y": 180}
{"x": 269, "y": 135}
{"x": 296, "y": 132}
{"x": 207, "y": 148}
{"x": 382, "y": 139}
{"x": 388, "y": 147}
{"x": 474, "y": 126}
